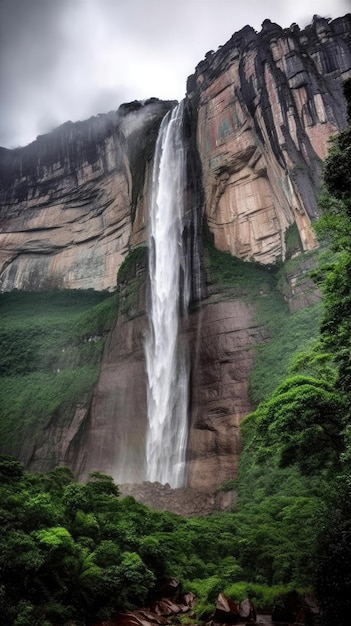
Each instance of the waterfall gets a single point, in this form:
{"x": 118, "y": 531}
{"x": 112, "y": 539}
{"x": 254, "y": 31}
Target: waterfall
{"x": 166, "y": 359}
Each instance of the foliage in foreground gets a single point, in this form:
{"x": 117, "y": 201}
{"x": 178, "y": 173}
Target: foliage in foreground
{"x": 305, "y": 425}
{"x": 79, "y": 551}
{"x": 70, "y": 550}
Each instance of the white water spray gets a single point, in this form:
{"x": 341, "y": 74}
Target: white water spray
{"x": 166, "y": 360}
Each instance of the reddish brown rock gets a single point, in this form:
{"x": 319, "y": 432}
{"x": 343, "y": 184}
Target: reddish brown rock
{"x": 167, "y": 607}
{"x": 260, "y": 110}
{"x": 227, "y": 610}
{"x": 160, "y": 613}
{"x": 247, "y": 610}
{"x": 115, "y": 432}
{"x": 135, "y": 618}
{"x": 170, "y": 588}
{"x": 267, "y": 104}
{"x": 69, "y": 199}
{"x": 222, "y": 339}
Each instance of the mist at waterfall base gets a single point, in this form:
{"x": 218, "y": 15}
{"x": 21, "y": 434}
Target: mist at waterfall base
{"x": 166, "y": 359}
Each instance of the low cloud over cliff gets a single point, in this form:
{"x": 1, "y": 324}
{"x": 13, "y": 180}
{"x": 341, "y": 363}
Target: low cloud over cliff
{"x": 75, "y": 58}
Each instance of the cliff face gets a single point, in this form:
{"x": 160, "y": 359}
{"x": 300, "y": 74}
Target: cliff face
{"x": 258, "y": 116}
{"x": 223, "y": 355}
{"x": 260, "y": 112}
{"x": 267, "y": 104}
{"x": 69, "y": 200}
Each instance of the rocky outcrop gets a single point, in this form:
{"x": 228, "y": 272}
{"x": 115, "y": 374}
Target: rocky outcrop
{"x": 69, "y": 200}
{"x": 186, "y": 501}
{"x": 170, "y": 604}
{"x": 229, "y": 612}
{"x": 296, "y": 284}
{"x": 266, "y": 105}
{"x": 223, "y": 336}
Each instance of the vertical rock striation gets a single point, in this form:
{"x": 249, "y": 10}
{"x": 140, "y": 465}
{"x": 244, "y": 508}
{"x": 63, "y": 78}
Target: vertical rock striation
{"x": 267, "y": 104}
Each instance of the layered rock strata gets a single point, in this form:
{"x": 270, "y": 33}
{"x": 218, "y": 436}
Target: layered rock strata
{"x": 73, "y": 200}
{"x": 259, "y": 114}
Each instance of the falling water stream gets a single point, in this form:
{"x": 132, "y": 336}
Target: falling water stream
{"x": 166, "y": 358}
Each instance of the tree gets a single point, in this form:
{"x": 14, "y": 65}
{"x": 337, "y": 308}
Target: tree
{"x": 333, "y": 579}
{"x": 336, "y": 277}
{"x": 10, "y": 469}
{"x": 303, "y": 419}
{"x": 337, "y": 174}
{"x": 333, "y": 572}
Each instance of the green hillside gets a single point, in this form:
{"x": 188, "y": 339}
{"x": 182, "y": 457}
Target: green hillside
{"x": 50, "y": 349}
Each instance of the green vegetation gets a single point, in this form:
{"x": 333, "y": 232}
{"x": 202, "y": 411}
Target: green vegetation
{"x": 284, "y": 333}
{"x": 79, "y": 551}
{"x": 29, "y": 402}
{"x": 303, "y": 414}
{"x": 113, "y": 553}
{"x": 293, "y": 508}
{"x": 288, "y": 333}
{"x": 245, "y": 279}
{"x": 292, "y": 241}
{"x": 135, "y": 258}
{"x": 69, "y": 550}
{"x": 297, "y": 444}
{"x": 131, "y": 276}
{"x": 50, "y": 348}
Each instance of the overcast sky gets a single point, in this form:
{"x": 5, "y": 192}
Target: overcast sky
{"x": 69, "y": 59}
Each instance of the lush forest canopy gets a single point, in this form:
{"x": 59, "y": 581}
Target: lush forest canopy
{"x": 70, "y": 550}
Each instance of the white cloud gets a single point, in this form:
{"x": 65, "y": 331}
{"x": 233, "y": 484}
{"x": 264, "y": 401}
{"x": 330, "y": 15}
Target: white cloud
{"x": 75, "y": 58}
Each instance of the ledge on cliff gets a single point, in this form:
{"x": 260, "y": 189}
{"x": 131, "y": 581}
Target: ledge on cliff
{"x": 74, "y": 143}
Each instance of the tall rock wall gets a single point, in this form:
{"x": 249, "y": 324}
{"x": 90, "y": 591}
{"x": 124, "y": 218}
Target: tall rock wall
{"x": 73, "y": 200}
{"x": 258, "y": 115}
{"x": 266, "y": 106}
{"x": 221, "y": 337}
{"x": 114, "y": 433}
